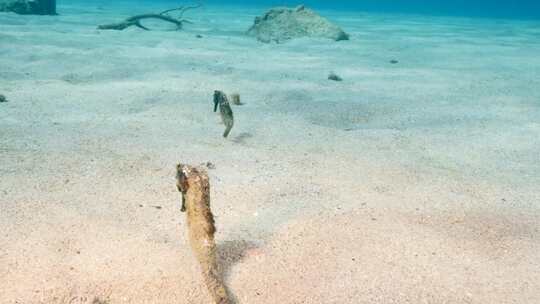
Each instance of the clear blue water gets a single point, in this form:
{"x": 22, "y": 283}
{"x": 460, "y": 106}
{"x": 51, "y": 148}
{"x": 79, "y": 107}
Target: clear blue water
{"x": 518, "y": 9}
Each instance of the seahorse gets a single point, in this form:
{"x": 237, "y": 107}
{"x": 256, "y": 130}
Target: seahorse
{"x": 194, "y": 185}
{"x": 221, "y": 100}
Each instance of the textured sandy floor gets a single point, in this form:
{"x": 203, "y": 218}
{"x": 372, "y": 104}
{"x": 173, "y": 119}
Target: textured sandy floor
{"x": 407, "y": 183}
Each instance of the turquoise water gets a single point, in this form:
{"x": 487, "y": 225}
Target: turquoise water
{"x": 479, "y": 8}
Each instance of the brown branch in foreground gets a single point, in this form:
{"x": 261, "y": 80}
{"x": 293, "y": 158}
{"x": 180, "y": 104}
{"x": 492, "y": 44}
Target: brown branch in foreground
{"x": 136, "y": 20}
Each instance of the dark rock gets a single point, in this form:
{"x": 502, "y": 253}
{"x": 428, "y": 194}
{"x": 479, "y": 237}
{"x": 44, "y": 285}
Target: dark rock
{"x": 393, "y": 61}
{"x": 281, "y": 24}
{"x": 3, "y": 98}
{"x": 29, "y": 7}
{"x": 209, "y": 165}
{"x": 334, "y": 77}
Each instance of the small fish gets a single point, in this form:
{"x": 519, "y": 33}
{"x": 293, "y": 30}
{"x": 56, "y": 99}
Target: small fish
{"x": 225, "y": 110}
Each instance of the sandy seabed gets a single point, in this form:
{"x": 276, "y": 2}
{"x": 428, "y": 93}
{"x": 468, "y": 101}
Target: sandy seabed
{"x": 415, "y": 182}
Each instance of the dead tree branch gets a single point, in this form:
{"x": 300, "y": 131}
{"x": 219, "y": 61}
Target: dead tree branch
{"x": 163, "y": 16}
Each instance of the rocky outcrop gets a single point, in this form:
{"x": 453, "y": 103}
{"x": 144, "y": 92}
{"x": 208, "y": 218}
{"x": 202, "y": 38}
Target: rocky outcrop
{"x": 29, "y": 7}
{"x": 281, "y": 24}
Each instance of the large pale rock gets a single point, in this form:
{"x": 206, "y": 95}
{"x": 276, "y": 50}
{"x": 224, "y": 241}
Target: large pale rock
{"x": 281, "y": 24}
{"x": 29, "y": 7}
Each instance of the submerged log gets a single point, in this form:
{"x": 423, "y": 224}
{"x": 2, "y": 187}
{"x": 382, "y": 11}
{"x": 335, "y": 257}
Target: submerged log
{"x": 29, "y": 7}
{"x": 163, "y": 16}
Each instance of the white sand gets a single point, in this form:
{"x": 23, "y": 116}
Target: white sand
{"x": 407, "y": 183}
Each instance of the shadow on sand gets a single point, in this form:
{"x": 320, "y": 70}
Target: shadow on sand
{"x": 229, "y": 254}
{"x": 242, "y": 137}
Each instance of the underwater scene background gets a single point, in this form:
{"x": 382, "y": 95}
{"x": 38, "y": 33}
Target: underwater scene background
{"x": 357, "y": 152}
{"x": 479, "y": 8}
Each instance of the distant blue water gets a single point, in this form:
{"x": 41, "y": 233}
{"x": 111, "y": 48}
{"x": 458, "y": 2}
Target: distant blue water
{"x": 518, "y": 9}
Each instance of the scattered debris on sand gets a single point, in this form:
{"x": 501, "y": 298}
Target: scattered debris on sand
{"x": 281, "y": 24}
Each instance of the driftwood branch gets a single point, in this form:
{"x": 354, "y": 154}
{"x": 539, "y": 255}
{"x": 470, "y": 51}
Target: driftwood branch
{"x": 181, "y": 9}
{"x": 163, "y": 16}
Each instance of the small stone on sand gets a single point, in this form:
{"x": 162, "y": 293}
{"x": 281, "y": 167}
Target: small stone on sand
{"x": 334, "y": 77}
{"x": 235, "y": 98}
{"x": 209, "y": 165}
